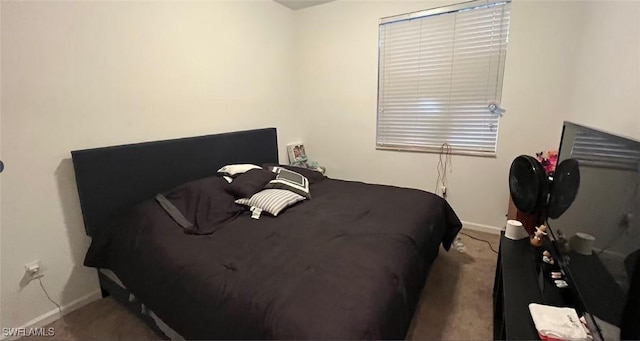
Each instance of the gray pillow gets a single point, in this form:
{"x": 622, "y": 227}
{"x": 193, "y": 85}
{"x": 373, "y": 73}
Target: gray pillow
{"x": 247, "y": 184}
{"x": 291, "y": 181}
{"x": 272, "y": 201}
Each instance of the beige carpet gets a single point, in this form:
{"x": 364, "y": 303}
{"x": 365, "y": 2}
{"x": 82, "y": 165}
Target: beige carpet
{"x": 456, "y": 303}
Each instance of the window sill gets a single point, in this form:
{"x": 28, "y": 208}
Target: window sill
{"x": 436, "y": 150}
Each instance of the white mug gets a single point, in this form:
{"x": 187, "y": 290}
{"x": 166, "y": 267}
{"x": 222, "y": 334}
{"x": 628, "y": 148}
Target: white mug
{"x": 515, "y": 230}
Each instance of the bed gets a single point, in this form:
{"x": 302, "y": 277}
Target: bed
{"x": 349, "y": 263}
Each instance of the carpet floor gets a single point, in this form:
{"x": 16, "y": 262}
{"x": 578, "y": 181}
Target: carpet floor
{"x": 456, "y": 303}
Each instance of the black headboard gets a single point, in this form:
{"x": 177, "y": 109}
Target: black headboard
{"x": 113, "y": 179}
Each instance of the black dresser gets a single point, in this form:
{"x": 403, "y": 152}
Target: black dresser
{"x": 520, "y": 279}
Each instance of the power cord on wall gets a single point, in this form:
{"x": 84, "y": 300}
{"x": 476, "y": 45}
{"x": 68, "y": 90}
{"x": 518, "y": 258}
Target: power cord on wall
{"x": 444, "y": 164}
{"x": 482, "y": 240}
{"x": 49, "y": 297}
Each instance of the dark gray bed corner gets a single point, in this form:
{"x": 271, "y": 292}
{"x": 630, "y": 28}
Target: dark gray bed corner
{"x": 348, "y": 264}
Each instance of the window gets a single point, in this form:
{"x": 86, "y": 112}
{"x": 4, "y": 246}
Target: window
{"x": 440, "y": 78}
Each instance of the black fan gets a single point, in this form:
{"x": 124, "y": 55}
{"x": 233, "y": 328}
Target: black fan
{"x": 531, "y": 189}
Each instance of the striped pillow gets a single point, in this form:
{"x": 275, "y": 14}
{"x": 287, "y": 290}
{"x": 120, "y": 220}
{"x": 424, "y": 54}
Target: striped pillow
{"x": 272, "y": 201}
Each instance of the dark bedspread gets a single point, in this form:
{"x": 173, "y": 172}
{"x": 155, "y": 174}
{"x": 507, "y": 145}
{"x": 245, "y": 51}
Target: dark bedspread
{"x": 348, "y": 264}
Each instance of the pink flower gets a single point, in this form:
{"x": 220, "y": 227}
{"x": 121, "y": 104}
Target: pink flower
{"x": 548, "y": 159}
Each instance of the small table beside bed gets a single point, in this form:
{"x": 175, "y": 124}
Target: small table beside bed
{"x": 348, "y": 263}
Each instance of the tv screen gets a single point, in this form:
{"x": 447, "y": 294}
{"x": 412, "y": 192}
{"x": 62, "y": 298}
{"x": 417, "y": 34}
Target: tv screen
{"x": 605, "y": 218}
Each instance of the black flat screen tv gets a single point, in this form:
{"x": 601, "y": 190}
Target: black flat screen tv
{"x": 605, "y": 280}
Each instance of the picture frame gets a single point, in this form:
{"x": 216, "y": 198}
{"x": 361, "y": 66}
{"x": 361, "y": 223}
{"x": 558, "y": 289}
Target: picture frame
{"x": 297, "y": 154}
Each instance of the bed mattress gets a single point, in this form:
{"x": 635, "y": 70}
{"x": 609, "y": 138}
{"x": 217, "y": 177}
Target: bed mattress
{"x": 347, "y": 264}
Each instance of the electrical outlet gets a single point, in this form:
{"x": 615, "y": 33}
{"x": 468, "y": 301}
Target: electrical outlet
{"x": 33, "y": 270}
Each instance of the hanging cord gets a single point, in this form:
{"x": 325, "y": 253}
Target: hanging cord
{"x": 49, "y": 297}
{"x": 444, "y": 164}
{"x": 481, "y": 240}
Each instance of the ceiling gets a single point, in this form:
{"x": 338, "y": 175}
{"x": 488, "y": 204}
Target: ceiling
{"x": 300, "y": 4}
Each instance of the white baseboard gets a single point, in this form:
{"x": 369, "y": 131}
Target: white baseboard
{"x": 53, "y": 315}
{"x": 481, "y": 228}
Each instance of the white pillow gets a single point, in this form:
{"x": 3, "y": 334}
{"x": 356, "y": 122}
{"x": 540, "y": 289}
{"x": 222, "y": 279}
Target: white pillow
{"x": 237, "y": 169}
{"x": 272, "y": 201}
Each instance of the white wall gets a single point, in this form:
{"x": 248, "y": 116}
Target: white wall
{"x": 605, "y": 95}
{"x": 337, "y": 88}
{"x": 87, "y": 74}
{"x": 606, "y": 73}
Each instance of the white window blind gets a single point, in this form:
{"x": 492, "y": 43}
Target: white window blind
{"x": 438, "y": 73}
